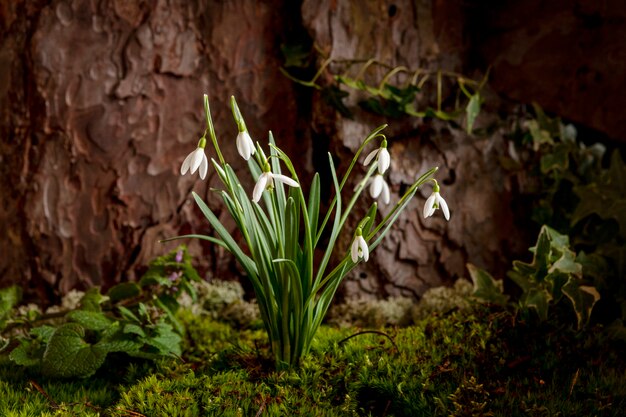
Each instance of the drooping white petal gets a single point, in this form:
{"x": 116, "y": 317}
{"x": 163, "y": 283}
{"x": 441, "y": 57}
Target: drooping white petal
{"x": 384, "y": 160}
{"x": 365, "y": 251}
{"x": 370, "y": 156}
{"x": 354, "y": 251}
{"x": 185, "y": 167}
{"x": 359, "y": 249}
{"x": 444, "y": 206}
{"x": 376, "y": 186}
{"x": 245, "y": 146}
{"x": 260, "y": 186}
{"x": 429, "y": 206}
{"x": 386, "y": 195}
{"x": 196, "y": 160}
{"x": 284, "y": 179}
{"x": 204, "y": 166}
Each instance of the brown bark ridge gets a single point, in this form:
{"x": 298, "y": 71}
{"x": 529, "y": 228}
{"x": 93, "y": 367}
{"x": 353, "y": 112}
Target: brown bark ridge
{"x": 103, "y": 100}
{"x": 419, "y": 253}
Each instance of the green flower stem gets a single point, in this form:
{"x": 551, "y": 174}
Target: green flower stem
{"x": 374, "y": 134}
{"x": 209, "y": 122}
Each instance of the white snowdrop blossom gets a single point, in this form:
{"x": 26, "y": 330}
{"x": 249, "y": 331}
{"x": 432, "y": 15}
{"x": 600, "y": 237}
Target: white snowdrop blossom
{"x": 245, "y": 146}
{"x": 196, "y": 159}
{"x": 266, "y": 182}
{"x": 379, "y": 187}
{"x": 359, "y": 247}
{"x": 382, "y": 156}
{"x": 434, "y": 202}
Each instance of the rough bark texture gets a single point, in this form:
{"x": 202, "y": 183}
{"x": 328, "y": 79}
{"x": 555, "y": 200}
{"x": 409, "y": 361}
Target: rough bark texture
{"x": 102, "y": 100}
{"x": 105, "y": 100}
{"x": 419, "y": 253}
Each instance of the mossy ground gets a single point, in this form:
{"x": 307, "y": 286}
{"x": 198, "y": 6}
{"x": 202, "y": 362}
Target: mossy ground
{"x": 463, "y": 363}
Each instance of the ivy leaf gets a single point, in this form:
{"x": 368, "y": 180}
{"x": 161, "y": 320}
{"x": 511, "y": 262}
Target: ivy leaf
{"x": 333, "y": 95}
{"x": 541, "y": 252}
{"x": 583, "y": 298}
{"x": 557, "y": 160}
{"x": 539, "y": 135}
{"x": 567, "y": 264}
{"x": 69, "y": 355}
{"x": 606, "y": 197}
{"x": 538, "y": 298}
{"x": 485, "y": 286}
{"x": 296, "y": 55}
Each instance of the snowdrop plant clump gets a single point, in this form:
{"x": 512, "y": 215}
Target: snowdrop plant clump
{"x": 281, "y": 227}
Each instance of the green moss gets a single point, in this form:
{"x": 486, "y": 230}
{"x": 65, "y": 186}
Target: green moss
{"x": 461, "y": 363}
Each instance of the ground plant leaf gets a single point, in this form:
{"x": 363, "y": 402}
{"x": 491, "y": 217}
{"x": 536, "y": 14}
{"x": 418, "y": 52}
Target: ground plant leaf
{"x": 69, "y": 355}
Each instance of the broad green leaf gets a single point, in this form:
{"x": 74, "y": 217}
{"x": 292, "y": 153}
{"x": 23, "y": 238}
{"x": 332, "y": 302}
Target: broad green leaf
{"x": 539, "y": 135}
{"x": 123, "y": 291}
{"x": 567, "y": 264}
{"x": 69, "y": 355}
{"x": 120, "y": 345}
{"x": 90, "y": 320}
{"x": 583, "y": 298}
{"x": 486, "y": 287}
{"x": 557, "y": 160}
{"x": 166, "y": 340}
{"x": 538, "y": 298}
{"x": 134, "y": 329}
{"x": 92, "y": 300}
{"x": 27, "y": 353}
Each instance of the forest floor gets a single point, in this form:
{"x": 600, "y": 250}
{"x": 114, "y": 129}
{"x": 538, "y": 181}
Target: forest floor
{"x": 476, "y": 362}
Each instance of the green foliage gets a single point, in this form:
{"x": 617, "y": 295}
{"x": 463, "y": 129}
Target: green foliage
{"x": 472, "y": 362}
{"x": 556, "y": 272}
{"x": 136, "y": 319}
{"x": 486, "y": 288}
{"x": 384, "y": 98}
{"x": 580, "y": 193}
{"x": 281, "y": 231}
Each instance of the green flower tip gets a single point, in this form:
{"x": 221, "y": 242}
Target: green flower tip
{"x": 435, "y": 187}
{"x": 359, "y": 232}
{"x": 202, "y": 142}
{"x": 383, "y": 144}
{"x": 266, "y": 166}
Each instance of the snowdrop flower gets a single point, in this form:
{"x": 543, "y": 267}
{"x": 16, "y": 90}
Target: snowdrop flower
{"x": 379, "y": 186}
{"x": 245, "y": 146}
{"x": 359, "y": 247}
{"x": 196, "y": 159}
{"x": 434, "y": 202}
{"x": 382, "y": 156}
{"x": 266, "y": 182}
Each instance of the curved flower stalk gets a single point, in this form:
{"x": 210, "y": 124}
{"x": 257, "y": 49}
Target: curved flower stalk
{"x": 245, "y": 146}
{"x": 281, "y": 229}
